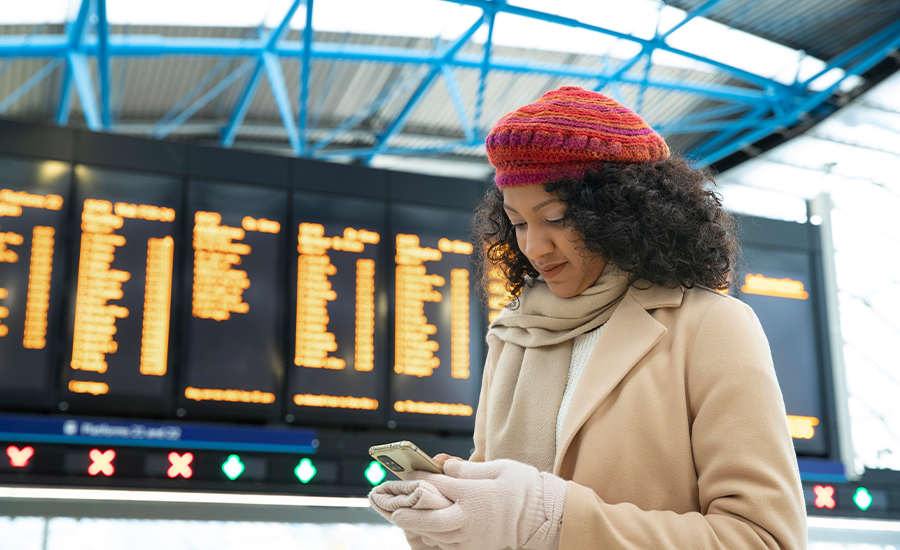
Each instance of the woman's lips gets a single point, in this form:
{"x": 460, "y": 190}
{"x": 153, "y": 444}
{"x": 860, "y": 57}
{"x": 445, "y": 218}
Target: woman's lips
{"x": 551, "y": 270}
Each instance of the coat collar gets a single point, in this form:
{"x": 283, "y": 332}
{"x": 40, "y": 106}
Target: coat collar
{"x": 629, "y": 334}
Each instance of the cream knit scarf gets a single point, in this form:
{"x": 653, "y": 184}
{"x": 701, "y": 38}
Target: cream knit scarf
{"x": 532, "y": 367}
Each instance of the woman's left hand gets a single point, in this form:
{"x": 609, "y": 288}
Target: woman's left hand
{"x": 496, "y": 505}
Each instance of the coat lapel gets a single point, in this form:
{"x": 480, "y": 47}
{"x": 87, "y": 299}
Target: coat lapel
{"x": 629, "y": 334}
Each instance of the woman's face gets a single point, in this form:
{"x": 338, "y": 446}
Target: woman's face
{"x": 553, "y": 249}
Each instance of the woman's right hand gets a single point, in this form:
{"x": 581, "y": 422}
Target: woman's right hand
{"x": 441, "y": 458}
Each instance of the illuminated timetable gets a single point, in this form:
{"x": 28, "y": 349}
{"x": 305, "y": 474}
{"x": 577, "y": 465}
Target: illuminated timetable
{"x": 32, "y": 200}
{"x": 123, "y": 279}
{"x": 157, "y": 303}
{"x": 414, "y": 353}
{"x": 314, "y": 291}
{"x": 777, "y": 284}
{"x": 233, "y": 302}
{"x": 436, "y": 314}
{"x": 98, "y": 284}
{"x": 498, "y": 297}
{"x": 339, "y": 322}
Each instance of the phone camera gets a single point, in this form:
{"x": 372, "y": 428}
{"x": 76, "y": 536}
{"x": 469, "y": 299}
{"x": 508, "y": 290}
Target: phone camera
{"x": 389, "y": 462}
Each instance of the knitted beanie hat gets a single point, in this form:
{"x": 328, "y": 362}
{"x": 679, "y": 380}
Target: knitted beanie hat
{"x": 565, "y": 133}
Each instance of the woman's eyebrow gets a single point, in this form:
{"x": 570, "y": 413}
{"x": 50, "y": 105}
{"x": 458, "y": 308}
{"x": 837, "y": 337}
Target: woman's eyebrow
{"x": 543, "y": 204}
{"x": 535, "y": 209}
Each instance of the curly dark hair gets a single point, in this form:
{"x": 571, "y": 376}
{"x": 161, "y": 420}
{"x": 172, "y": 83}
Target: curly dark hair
{"x": 659, "y": 222}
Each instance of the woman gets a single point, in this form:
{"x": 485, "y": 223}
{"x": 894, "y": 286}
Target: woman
{"x": 625, "y": 403}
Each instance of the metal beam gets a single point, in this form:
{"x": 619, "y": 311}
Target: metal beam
{"x": 370, "y": 152}
{"x": 81, "y": 76}
{"x": 862, "y": 66}
{"x": 615, "y": 76}
{"x": 282, "y": 28}
{"x": 272, "y": 64}
{"x": 711, "y": 126}
{"x": 103, "y": 60}
{"x": 195, "y": 91}
{"x": 243, "y": 105}
{"x": 26, "y": 86}
{"x": 456, "y": 98}
{"x": 696, "y": 12}
{"x": 385, "y": 96}
{"x": 446, "y": 54}
{"x": 714, "y": 113}
{"x": 78, "y": 27}
{"x": 653, "y": 43}
{"x": 704, "y": 150}
{"x": 64, "y": 104}
{"x": 856, "y": 51}
{"x": 489, "y": 17}
{"x": 326, "y": 87}
{"x": 305, "y": 68}
{"x": 163, "y": 131}
{"x": 140, "y": 46}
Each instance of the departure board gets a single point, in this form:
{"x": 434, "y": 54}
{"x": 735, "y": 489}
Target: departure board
{"x": 340, "y": 310}
{"x": 234, "y": 328}
{"x": 779, "y": 285}
{"x": 33, "y": 197}
{"x": 438, "y": 323}
{"x": 119, "y": 352}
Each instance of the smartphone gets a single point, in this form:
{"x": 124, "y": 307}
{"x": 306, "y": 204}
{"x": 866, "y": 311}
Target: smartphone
{"x": 403, "y": 457}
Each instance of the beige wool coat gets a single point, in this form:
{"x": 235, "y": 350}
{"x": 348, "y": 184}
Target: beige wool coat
{"x": 676, "y": 436}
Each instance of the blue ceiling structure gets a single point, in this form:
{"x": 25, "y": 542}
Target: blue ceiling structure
{"x": 743, "y": 111}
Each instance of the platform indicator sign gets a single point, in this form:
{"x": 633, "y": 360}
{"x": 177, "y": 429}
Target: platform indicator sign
{"x": 436, "y": 311}
{"x": 375, "y": 473}
{"x": 180, "y": 465}
{"x": 779, "y": 285}
{"x": 305, "y": 471}
{"x": 233, "y": 467}
{"x": 824, "y": 496}
{"x": 101, "y": 462}
{"x": 19, "y": 458}
{"x": 119, "y": 348}
{"x": 340, "y": 310}
{"x": 33, "y": 202}
{"x": 233, "y": 301}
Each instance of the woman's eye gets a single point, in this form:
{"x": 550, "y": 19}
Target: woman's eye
{"x": 557, "y": 222}
{"x": 518, "y": 225}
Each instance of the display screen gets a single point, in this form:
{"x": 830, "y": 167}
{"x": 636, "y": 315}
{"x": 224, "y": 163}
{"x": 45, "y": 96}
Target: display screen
{"x": 340, "y": 309}
{"x": 33, "y": 201}
{"x": 779, "y": 286}
{"x": 121, "y": 293}
{"x": 234, "y": 328}
{"x": 438, "y": 323}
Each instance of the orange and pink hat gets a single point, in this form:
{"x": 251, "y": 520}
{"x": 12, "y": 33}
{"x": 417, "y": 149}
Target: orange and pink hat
{"x": 566, "y": 133}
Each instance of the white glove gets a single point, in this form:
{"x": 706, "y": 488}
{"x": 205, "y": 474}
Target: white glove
{"x": 417, "y": 495}
{"x": 496, "y": 505}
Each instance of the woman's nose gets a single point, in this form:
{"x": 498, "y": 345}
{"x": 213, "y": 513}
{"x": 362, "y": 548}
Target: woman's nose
{"x": 537, "y": 244}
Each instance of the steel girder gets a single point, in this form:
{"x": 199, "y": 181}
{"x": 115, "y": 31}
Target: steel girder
{"x": 750, "y": 111}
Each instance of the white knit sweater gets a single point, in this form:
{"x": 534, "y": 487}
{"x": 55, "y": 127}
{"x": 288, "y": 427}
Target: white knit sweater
{"x": 581, "y": 350}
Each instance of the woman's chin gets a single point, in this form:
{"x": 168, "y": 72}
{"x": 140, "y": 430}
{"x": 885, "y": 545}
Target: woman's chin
{"x": 562, "y": 290}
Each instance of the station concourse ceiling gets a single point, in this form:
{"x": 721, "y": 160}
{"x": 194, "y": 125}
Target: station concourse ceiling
{"x": 720, "y": 79}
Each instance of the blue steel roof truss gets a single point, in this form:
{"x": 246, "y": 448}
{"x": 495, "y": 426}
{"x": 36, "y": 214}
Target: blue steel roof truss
{"x": 742, "y": 113}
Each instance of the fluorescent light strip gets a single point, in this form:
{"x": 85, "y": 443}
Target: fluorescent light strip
{"x": 849, "y": 524}
{"x": 191, "y": 498}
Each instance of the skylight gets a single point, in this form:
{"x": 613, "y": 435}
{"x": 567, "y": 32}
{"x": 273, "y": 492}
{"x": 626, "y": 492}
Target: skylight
{"x": 436, "y": 18}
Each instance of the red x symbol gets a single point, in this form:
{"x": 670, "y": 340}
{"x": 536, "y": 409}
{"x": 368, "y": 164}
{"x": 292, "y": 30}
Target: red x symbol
{"x": 180, "y": 465}
{"x": 824, "y": 496}
{"x": 19, "y": 458}
{"x": 102, "y": 462}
